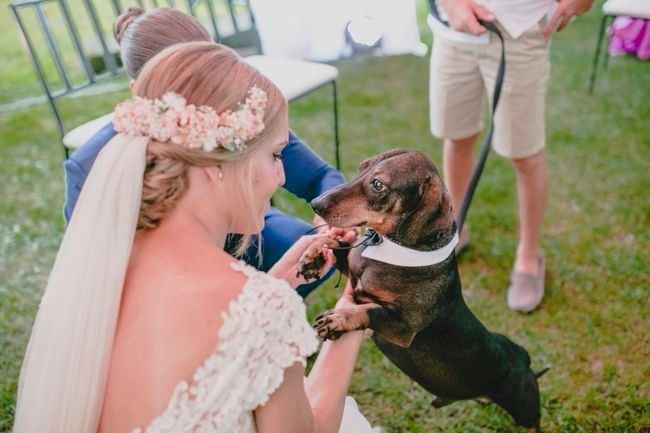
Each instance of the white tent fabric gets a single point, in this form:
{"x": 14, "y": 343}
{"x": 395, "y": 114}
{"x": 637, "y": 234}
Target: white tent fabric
{"x": 314, "y": 29}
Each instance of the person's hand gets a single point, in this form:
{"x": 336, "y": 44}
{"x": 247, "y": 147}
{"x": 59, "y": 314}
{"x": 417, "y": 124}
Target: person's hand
{"x": 565, "y": 12}
{"x": 307, "y": 247}
{"x": 464, "y": 15}
{"x": 346, "y": 236}
{"x": 343, "y": 235}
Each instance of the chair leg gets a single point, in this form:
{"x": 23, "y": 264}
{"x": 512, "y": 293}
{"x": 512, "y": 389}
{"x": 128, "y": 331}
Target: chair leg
{"x": 40, "y": 73}
{"x": 336, "y": 125}
{"x": 594, "y": 70}
{"x": 59, "y": 122}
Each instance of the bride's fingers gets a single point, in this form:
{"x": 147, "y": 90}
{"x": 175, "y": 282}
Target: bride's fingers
{"x": 337, "y": 231}
{"x": 343, "y": 235}
{"x": 324, "y": 242}
{"x": 330, "y": 259}
{"x": 317, "y": 248}
{"x": 307, "y": 250}
{"x": 306, "y": 242}
{"x": 350, "y": 236}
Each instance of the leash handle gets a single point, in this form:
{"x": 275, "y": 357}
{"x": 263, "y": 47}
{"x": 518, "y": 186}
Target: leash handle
{"x": 487, "y": 142}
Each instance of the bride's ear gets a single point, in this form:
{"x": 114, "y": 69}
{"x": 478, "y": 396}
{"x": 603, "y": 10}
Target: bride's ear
{"x": 214, "y": 174}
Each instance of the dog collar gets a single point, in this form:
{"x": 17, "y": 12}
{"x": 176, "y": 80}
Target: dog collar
{"x": 387, "y": 251}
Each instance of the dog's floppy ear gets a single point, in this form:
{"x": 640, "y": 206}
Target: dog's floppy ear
{"x": 432, "y": 215}
{"x": 367, "y": 163}
{"x": 424, "y": 186}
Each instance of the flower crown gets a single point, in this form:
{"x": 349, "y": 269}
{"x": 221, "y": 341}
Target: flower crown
{"x": 172, "y": 119}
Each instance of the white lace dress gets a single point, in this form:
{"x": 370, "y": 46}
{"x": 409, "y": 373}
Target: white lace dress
{"x": 264, "y": 331}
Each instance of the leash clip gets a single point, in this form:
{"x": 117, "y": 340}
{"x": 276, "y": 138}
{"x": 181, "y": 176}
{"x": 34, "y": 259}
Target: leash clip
{"x": 373, "y": 238}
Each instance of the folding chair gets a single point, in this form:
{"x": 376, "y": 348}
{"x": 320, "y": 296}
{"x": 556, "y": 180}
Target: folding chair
{"x": 62, "y": 79}
{"x": 294, "y": 78}
{"x": 611, "y": 10}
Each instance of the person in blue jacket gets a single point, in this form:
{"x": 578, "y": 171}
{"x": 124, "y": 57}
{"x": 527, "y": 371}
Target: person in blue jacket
{"x": 141, "y": 36}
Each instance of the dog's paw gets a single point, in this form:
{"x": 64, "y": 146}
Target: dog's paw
{"x": 313, "y": 260}
{"x": 330, "y": 325}
{"x": 310, "y": 267}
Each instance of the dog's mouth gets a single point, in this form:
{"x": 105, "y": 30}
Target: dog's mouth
{"x": 362, "y": 224}
{"x": 361, "y": 227}
{"x": 339, "y": 222}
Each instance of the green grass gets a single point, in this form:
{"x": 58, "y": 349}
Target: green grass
{"x": 593, "y": 327}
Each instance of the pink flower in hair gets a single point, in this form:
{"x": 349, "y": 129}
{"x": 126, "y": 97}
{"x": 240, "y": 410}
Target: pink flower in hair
{"x": 171, "y": 119}
{"x": 174, "y": 101}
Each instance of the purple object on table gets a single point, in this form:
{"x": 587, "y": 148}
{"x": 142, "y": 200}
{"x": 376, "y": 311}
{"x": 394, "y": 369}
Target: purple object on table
{"x": 628, "y": 35}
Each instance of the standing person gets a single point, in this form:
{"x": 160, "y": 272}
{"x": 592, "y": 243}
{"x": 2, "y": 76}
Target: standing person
{"x": 464, "y": 63}
{"x": 141, "y": 36}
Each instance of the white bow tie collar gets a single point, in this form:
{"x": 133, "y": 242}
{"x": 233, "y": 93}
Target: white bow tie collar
{"x": 392, "y": 253}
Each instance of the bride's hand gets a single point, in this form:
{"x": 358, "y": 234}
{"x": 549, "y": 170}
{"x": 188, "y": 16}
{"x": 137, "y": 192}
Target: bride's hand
{"x": 308, "y": 249}
{"x": 344, "y": 235}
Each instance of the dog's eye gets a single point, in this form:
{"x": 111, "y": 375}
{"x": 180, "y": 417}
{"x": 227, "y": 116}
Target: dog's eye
{"x": 377, "y": 185}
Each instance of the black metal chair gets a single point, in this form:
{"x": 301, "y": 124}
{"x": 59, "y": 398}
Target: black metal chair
{"x": 296, "y": 79}
{"x": 611, "y": 10}
{"x": 62, "y": 79}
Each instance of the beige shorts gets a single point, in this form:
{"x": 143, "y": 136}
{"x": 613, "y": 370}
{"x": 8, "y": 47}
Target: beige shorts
{"x": 463, "y": 73}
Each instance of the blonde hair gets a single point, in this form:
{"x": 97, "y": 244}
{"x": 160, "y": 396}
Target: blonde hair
{"x": 141, "y": 35}
{"x": 204, "y": 73}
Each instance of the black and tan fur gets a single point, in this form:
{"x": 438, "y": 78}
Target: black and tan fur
{"x": 419, "y": 316}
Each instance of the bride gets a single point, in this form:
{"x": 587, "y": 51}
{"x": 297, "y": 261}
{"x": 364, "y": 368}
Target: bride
{"x": 146, "y": 324}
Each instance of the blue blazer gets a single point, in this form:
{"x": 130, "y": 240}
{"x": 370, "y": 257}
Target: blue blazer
{"x": 307, "y": 175}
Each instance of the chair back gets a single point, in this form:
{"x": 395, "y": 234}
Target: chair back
{"x": 73, "y": 50}
{"x": 231, "y": 23}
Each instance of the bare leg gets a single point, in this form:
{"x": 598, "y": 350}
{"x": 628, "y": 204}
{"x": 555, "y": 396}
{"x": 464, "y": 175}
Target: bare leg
{"x": 532, "y": 189}
{"x": 458, "y": 161}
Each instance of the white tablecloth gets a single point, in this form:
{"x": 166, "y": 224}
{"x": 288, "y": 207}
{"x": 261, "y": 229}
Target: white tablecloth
{"x": 314, "y": 29}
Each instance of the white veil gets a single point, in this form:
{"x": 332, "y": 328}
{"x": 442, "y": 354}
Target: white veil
{"x": 63, "y": 377}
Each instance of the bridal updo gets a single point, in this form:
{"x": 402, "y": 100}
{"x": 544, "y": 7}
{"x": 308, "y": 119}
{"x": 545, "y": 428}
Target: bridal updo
{"x": 141, "y": 35}
{"x": 204, "y": 73}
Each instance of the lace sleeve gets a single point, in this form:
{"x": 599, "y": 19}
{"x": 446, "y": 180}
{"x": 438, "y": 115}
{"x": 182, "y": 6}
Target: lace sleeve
{"x": 280, "y": 329}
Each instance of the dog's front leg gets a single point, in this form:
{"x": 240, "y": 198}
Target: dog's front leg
{"x": 384, "y": 321}
{"x": 333, "y": 323}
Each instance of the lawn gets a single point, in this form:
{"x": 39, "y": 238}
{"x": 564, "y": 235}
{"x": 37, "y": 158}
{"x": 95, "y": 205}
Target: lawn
{"x": 594, "y": 326}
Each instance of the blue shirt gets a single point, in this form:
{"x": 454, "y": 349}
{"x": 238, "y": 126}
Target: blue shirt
{"x": 307, "y": 175}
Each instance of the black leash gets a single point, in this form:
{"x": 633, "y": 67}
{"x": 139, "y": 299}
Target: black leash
{"x": 487, "y": 142}
{"x": 371, "y": 237}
